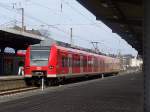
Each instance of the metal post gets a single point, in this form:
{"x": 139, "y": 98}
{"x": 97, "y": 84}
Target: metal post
{"x": 61, "y": 6}
{"x": 71, "y": 42}
{"x": 102, "y": 76}
{"x": 42, "y": 83}
{"x": 95, "y": 45}
{"x": 22, "y": 22}
{"x": 22, "y": 9}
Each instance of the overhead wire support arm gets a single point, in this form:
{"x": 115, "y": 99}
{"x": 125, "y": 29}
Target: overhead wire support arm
{"x": 95, "y": 45}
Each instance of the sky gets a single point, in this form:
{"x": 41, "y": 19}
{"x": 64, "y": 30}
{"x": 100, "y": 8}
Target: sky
{"x": 58, "y": 16}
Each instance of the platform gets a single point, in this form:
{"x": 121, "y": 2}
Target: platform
{"x": 123, "y": 93}
{"x": 11, "y": 82}
{"x": 12, "y": 77}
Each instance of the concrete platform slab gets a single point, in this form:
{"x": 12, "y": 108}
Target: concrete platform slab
{"x": 123, "y": 93}
{"x": 11, "y": 77}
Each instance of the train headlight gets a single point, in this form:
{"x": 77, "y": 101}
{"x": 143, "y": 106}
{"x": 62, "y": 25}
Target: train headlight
{"x": 51, "y": 67}
{"x": 27, "y": 67}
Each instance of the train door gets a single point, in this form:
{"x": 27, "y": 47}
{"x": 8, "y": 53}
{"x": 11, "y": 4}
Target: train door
{"x": 62, "y": 63}
{"x": 89, "y": 63}
{"x": 70, "y": 64}
{"x": 99, "y": 65}
{"x": 78, "y": 63}
{"x": 81, "y": 64}
{"x": 93, "y": 64}
{"x": 85, "y": 63}
{"x": 103, "y": 66}
{"x": 96, "y": 64}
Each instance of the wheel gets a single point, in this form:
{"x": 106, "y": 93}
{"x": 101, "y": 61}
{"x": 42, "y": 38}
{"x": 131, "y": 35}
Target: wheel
{"x": 52, "y": 82}
{"x": 29, "y": 81}
{"x": 61, "y": 81}
{"x": 56, "y": 82}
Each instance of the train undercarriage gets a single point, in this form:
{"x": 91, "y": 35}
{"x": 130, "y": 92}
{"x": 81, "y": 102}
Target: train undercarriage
{"x": 36, "y": 80}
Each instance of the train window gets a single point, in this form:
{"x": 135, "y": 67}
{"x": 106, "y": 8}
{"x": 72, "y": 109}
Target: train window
{"x": 69, "y": 63}
{"x": 95, "y": 62}
{"x": 73, "y": 62}
{"x": 101, "y": 63}
{"x": 85, "y": 62}
{"x": 39, "y": 56}
{"x": 89, "y": 62}
{"x": 64, "y": 61}
{"x": 78, "y": 62}
{"x": 81, "y": 62}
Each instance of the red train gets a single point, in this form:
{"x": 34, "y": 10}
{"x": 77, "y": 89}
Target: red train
{"x": 57, "y": 62}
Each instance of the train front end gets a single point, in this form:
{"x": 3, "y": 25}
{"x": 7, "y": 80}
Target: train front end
{"x": 40, "y": 62}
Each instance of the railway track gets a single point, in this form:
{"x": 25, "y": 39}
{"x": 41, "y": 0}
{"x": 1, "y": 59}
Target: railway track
{"x": 25, "y": 89}
{"x": 15, "y": 91}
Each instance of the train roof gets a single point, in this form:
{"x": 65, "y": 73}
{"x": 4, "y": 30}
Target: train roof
{"x": 82, "y": 52}
{"x": 74, "y": 49}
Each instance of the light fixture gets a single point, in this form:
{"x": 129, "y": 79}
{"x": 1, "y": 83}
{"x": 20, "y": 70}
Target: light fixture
{"x": 116, "y": 17}
{"x": 104, "y": 5}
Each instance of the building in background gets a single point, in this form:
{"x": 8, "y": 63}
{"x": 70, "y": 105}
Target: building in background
{"x": 135, "y": 62}
{"x": 130, "y": 62}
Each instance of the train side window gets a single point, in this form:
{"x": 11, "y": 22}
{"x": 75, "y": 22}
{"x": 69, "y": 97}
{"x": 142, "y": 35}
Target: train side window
{"x": 78, "y": 62}
{"x": 81, "y": 62}
{"x": 66, "y": 61}
{"x": 101, "y": 63}
{"x": 73, "y": 61}
{"x": 63, "y": 61}
{"x": 69, "y": 61}
{"x": 85, "y": 62}
{"x": 89, "y": 62}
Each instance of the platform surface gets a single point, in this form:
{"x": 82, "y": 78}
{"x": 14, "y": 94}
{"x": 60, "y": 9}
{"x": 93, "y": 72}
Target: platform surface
{"x": 11, "y": 77}
{"x": 122, "y": 93}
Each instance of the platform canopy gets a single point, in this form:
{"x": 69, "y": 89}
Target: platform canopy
{"x": 17, "y": 39}
{"x": 124, "y": 17}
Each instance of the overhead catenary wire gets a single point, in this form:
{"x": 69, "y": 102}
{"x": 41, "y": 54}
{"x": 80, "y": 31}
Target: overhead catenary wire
{"x": 54, "y": 12}
{"x": 54, "y": 26}
{"x": 51, "y": 10}
{"x": 12, "y": 20}
{"x": 73, "y": 8}
{"x": 31, "y": 17}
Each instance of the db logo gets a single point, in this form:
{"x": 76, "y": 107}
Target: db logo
{"x": 38, "y": 68}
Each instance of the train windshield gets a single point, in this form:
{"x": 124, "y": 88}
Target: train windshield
{"x": 39, "y": 57}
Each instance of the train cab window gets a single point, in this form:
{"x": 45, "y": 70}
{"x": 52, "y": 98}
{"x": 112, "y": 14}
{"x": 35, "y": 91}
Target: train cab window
{"x": 39, "y": 56}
